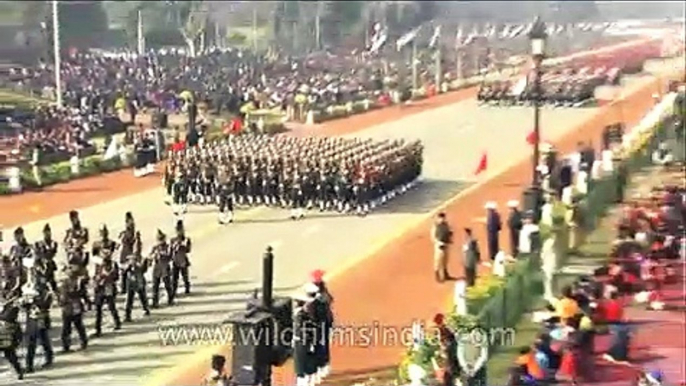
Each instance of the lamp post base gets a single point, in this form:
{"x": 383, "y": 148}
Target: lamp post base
{"x": 533, "y": 201}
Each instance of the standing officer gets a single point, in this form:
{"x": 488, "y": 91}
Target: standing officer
{"x": 46, "y": 250}
{"x": 161, "y": 258}
{"x": 493, "y": 226}
{"x": 37, "y": 308}
{"x": 127, "y": 240}
{"x": 472, "y": 257}
{"x": 514, "y": 224}
{"x": 106, "y": 277}
{"x": 135, "y": 285}
{"x": 442, "y": 236}
{"x": 71, "y": 301}
{"x": 304, "y": 335}
{"x": 181, "y": 248}
{"x": 10, "y": 333}
{"x": 226, "y": 190}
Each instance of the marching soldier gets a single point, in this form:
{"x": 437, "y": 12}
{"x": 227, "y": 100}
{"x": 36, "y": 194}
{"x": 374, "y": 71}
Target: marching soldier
{"x": 46, "y": 250}
{"x": 10, "y": 332}
{"x": 71, "y": 301}
{"x": 180, "y": 193}
{"x": 104, "y": 247}
{"x": 161, "y": 258}
{"x": 37, "y": 306}
{"x": 297, "y": 198}
{"x": 168, "y": 181}
{"x": 106, "y": 278}
{"x": 77, "y": 235}
{"x": 135, "y": 285}
{"x": 127, "y": 240}
{"x": 226, "y": 192}
{"x": 181, "y": 248}
{"x": 514, "y": 224}
{"x": 493, "y": 226}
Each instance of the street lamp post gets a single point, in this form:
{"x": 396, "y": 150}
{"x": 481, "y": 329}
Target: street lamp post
{"x": 537, "y": 37}
{"x": 56, "y": 52}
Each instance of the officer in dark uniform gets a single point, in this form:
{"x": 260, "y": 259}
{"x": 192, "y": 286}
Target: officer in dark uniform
{"x": 160, "y": 257}
{"x": 37, "y": 308}
{"x": 106, "y": 278}
{"x": 297, "y": 198}
{"x": 46, "y": 250}
{"x": 472, "y": 257}
{"x": 180, "y": 192}
{"x": 10, "y": 332}
{"x": 21, "y": 248}
{"x": 493, "y": 227}
{"x": 226, "y": 190}
{"x": 135, "y": 285}
{"x": 71, "y": 301}
{"x": 168, "y": 181}
{"x": 181, "y": 248}
{"x": 127, "y": 241}
{"x": 304, "y": 337}
{"x": 514, "y": 224}
{"x": 360, "y": 190}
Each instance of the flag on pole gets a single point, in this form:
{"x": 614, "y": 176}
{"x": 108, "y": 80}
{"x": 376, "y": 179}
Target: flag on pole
{"x": 435, "y": 37}
{"x": 407, "y": 38}
{"x": 378, "y": 39}
{"x": 483, "y": 164}
{"x": 459, "y": 38}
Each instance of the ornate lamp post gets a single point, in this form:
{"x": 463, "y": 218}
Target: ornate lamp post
{"x": 537, "y": 37}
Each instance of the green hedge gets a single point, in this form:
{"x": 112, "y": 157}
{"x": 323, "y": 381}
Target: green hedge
{"x": 61, "y": 172}
{"x": 500, "y": 302}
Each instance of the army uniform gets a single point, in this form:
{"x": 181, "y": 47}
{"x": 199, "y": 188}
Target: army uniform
{"x": 472, "y": 257}
{"x": 515, "y": 223}
{"x": 161, "y": 258}
{"x": 38, "y": 327}
{"x": 226, "y": 192}
{"x": 207, "y": 183}
{"x": 46, "y": 250}
{"x": 493, "y": 227}
{"x": 181, "y": 191}
{"x": 304, "y": 338}
{"x": 168, "y": 181}
{"x": 10, "y": 333}
{"x": 128, "y": 246}
{"x": 77, "y": 235}
{"x": 135, "y": 285}
{"x": 71, "y": 302}
{"x": 180, "y": 249}
{"x": 106, "y": 278}
{"x": 297, "y": 198}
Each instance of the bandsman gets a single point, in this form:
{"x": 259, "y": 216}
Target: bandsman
{"x": 77, "y": 235}
{"x": 160, "y": 257}
{"x": 37, "y": 306}
{"x": 71, "y": 301}
{"x": 105, "y": 282}
{"x": 127, "y": 241}
{"x": 135, "y": 285}
{"x": 10, "y": 332}
{"x": 181, "y": 249}
{"x": 46, "y": 250}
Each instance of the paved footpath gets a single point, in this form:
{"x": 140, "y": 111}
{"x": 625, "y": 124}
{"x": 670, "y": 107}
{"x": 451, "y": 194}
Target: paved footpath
{"x": 226, "y": 259}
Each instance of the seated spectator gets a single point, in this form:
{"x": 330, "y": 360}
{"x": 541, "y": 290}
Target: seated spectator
{"x": 566, "y": 307}
{"x": 528, "y": 362}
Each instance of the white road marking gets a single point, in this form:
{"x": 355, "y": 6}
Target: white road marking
{"x": 312, "y": 230}
{"x": 228, "y": 267}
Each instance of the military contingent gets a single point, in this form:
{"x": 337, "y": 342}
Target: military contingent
{"x": 33, "y": 283}
{"x": 561, "y": 88}
{"x": 337, "y": 174}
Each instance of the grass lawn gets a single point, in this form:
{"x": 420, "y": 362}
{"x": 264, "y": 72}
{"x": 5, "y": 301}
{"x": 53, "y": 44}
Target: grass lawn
{"x": 12, "y": 98}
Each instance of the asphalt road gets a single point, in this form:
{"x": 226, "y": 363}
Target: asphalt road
{"x": 226, "y": 259}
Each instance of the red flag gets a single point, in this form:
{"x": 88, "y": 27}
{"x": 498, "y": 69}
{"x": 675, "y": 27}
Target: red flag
{"x": 483, "y": 164}
{"x": 531, "y": 138}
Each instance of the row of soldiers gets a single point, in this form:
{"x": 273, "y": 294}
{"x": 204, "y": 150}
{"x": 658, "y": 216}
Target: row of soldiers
{"x": 29, "y": 283}
{"x": 345, "y": 175}
{"x": 559, "y": 93}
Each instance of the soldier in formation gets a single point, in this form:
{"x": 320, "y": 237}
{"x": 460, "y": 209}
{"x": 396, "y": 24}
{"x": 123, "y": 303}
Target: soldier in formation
{"x": 28, "y": 283}
{"x": 345, "y": 175}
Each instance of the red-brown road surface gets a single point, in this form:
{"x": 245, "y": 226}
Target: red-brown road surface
{"x": 395, "y": 286}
